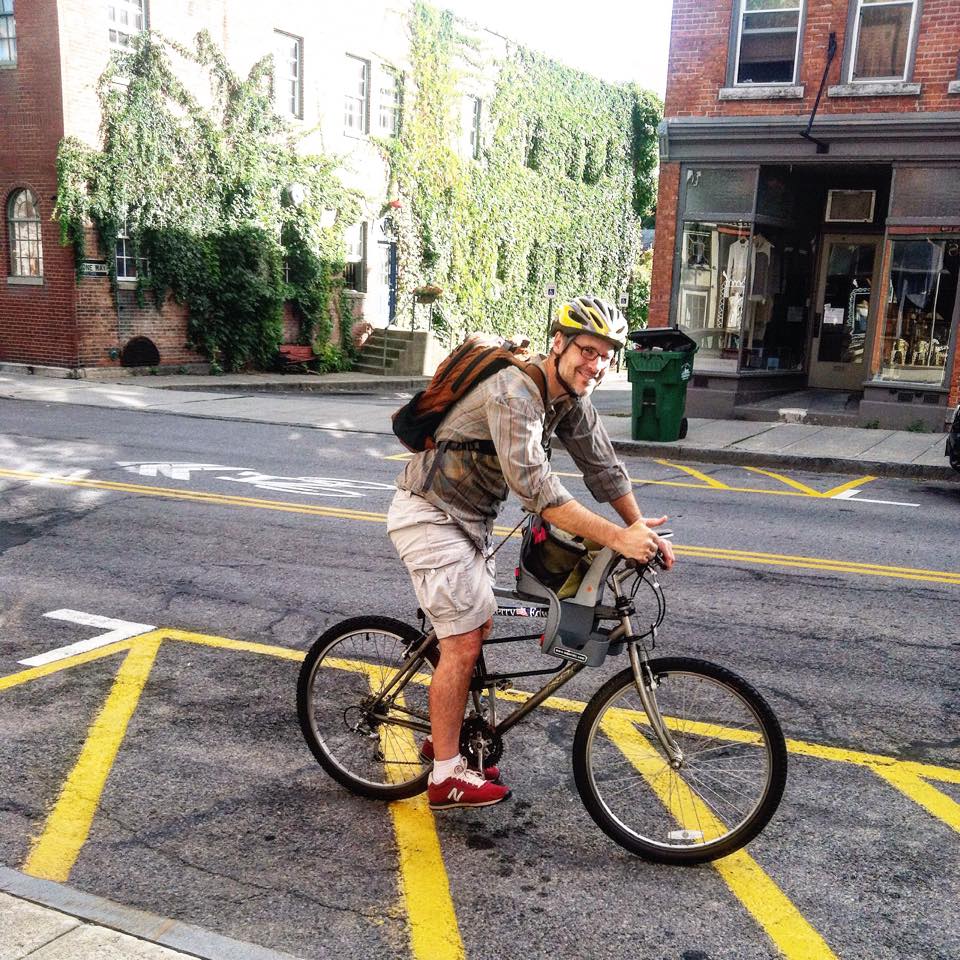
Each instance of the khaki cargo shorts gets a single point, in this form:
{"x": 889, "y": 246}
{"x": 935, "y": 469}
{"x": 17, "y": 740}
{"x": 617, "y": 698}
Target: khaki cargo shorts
{"x": 452, "y": 579}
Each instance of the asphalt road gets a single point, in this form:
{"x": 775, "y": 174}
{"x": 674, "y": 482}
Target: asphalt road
{"x": 244, "y": 541}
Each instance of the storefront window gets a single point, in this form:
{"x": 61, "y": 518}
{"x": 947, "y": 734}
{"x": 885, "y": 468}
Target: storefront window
{"x": 775, "y": 313}
{"x": 713, "y": 270}
{"x": 742, "y": 296}
{"x": 921, "y": 297}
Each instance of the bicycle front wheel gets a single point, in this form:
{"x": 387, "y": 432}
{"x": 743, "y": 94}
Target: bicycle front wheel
{"x": 709, "y": 803}
{"x": 362, "y": 726}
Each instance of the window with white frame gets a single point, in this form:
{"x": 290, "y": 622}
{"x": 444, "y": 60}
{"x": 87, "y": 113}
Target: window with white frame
{"x": 288, "y": 73}
{"x": 470, "y": 110}
{"x": 8, "y": 33}
{"x": 391, "y": 101}
{"x": 883, "y": 35}
{"x": 768, "y": 41}
{"x": 125, "y": 19}
{"x": 26, "y": 243}
{"x": 129, "y": 265}
{"x": 357, "y": 97}
{"x": 355, "y": 268}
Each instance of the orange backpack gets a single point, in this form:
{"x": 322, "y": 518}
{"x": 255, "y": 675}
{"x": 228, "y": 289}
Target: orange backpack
{"x": 477, "y": 358}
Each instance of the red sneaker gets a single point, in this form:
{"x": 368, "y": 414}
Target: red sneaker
{"x": 426, "y": 753}
{"x": 466, "y": 788}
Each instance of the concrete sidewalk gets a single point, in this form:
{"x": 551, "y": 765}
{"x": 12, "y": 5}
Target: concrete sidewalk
{"x": 43, "y": 920}
{"x": 293, "y": 400}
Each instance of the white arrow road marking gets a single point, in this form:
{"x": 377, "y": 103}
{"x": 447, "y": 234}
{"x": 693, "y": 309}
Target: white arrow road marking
{"x": 174, "y": 471}
{"x": 852, "y": 495}
{"x": 118, "y": 630}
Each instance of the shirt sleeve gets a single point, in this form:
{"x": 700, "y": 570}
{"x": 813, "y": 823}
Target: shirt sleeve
{"x": 583, "y": 434}
{"x": 516, "y": 428}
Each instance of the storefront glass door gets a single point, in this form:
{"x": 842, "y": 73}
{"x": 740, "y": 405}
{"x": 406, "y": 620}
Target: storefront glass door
{"x": 845, "y": 309}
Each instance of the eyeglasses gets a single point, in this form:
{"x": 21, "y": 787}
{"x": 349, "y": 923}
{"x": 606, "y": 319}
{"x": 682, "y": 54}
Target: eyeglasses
{"x": 590, "y": 354}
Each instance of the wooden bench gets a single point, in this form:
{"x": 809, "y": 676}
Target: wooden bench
{"x": 292, "y": 357}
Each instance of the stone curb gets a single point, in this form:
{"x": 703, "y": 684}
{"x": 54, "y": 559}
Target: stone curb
{"x": 878, "y": 468}
{"x": 183, "y": 937}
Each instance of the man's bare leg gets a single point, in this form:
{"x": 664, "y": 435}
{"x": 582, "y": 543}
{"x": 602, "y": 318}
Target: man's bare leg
{"x": 450, "y": 686}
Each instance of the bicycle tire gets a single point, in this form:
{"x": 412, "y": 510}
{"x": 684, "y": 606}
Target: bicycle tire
{"x": 347, "y": 665}
{"x": 691, "y": 815}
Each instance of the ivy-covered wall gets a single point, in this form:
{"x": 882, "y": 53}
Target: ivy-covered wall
{"x": 225, "y": 214}
{"x": 566, "y": 170}
{"x": 227, "y": 209}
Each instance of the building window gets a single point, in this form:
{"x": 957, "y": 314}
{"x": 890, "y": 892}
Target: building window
{"x": 355, "y": 268}
{"x": 129, "y": 265}
{"x": 883, "y": 37}
{"x": 768, "y": 41}
{"x": 921, "y": 302}
{"x": 356, "y": 101}
{"x": 8, "y": 33}
{"x": 288, "y": 74}
{"x": 125, "y": 19}
{"x": 470, "y": 110}
{"x": 26, "y": 244}
{"x": 391, "y": 100}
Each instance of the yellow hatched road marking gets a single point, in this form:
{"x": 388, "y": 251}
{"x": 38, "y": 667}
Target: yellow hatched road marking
{"x": 434, "y": 931}
{"x": 849, "y": 485}
{"x": 425, "y": 888}
{"x": 934, "y": 801}
{"x": 752, "y": 886}
{"x": 703, "y": 477}
{"x": 55, "y": 851}
{"x": 795, "y": 484}
{"x": 35, "y": 673}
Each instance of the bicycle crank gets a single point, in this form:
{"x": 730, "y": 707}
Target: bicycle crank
{"x": 480, "y": 743}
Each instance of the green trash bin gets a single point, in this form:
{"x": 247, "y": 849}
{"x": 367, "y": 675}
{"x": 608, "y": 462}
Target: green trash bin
{"x": 659, "y": 370}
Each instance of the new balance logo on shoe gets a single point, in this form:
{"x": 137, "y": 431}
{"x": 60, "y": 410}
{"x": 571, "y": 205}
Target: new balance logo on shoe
{"x": 465, "y": 788}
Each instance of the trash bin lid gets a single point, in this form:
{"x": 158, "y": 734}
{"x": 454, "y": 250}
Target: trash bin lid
{"x": 662, "y": 338}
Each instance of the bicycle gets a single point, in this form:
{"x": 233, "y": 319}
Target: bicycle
{"x": 676, "y": 759}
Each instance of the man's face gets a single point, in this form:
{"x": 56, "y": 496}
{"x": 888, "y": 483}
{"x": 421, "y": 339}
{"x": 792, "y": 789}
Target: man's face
{"x": 584, "y": 362}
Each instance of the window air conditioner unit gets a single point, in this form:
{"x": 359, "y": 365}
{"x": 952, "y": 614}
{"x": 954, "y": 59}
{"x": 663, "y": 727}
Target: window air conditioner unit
{"x": 850, "y": 206}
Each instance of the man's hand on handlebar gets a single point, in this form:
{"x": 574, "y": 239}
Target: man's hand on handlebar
{"x": 639, "y": 542}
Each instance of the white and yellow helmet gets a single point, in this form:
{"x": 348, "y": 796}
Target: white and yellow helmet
{"x": 594, "y": 316}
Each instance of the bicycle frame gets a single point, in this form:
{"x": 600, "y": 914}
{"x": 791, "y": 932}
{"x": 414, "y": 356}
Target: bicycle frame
{"x": 624, "y": 632}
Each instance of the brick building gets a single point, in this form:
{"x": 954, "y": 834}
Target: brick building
{"x": 339, "y": 72}
{"x": 808, "y": 218}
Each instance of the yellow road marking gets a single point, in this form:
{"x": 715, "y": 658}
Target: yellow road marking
{"x": 434, "y": 931}
{"x": 795, "y": 484}
{"x": 703, "y": 477}
{"x": 425, "y": 888}
{"x": 710, "y": 553}
{"x": 55, "y": 851}
{"x": 934, "y": 801}
{"x": 35, "y": 673}
{"x": 751, "y": 885}
{"x": 849, "y": 485}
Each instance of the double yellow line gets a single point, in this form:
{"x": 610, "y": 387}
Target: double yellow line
{"x": 824, "y": 564}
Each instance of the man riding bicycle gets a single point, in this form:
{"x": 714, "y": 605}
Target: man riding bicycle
{"x": 441, "y": 519}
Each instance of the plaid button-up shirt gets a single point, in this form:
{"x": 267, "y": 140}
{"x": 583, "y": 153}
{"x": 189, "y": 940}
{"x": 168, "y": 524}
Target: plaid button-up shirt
{"x": 507, "y": 408}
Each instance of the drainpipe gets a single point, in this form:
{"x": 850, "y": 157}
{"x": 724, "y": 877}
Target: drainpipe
{"x": 831, "y": 53}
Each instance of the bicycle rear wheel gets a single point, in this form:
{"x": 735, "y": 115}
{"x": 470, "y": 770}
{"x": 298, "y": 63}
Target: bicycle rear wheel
{"x": 728, "y": 783}
{"x": 372, "y": 749}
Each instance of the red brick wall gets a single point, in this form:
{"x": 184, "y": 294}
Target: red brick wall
{"x": 36, "y": 322}
{"x": 699, "y": 49}
{"x": 667, "y": 213}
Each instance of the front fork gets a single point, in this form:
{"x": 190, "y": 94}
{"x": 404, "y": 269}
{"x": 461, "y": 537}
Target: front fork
{"x": 646, "y": 683}
{"x": 643, "y": 678}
